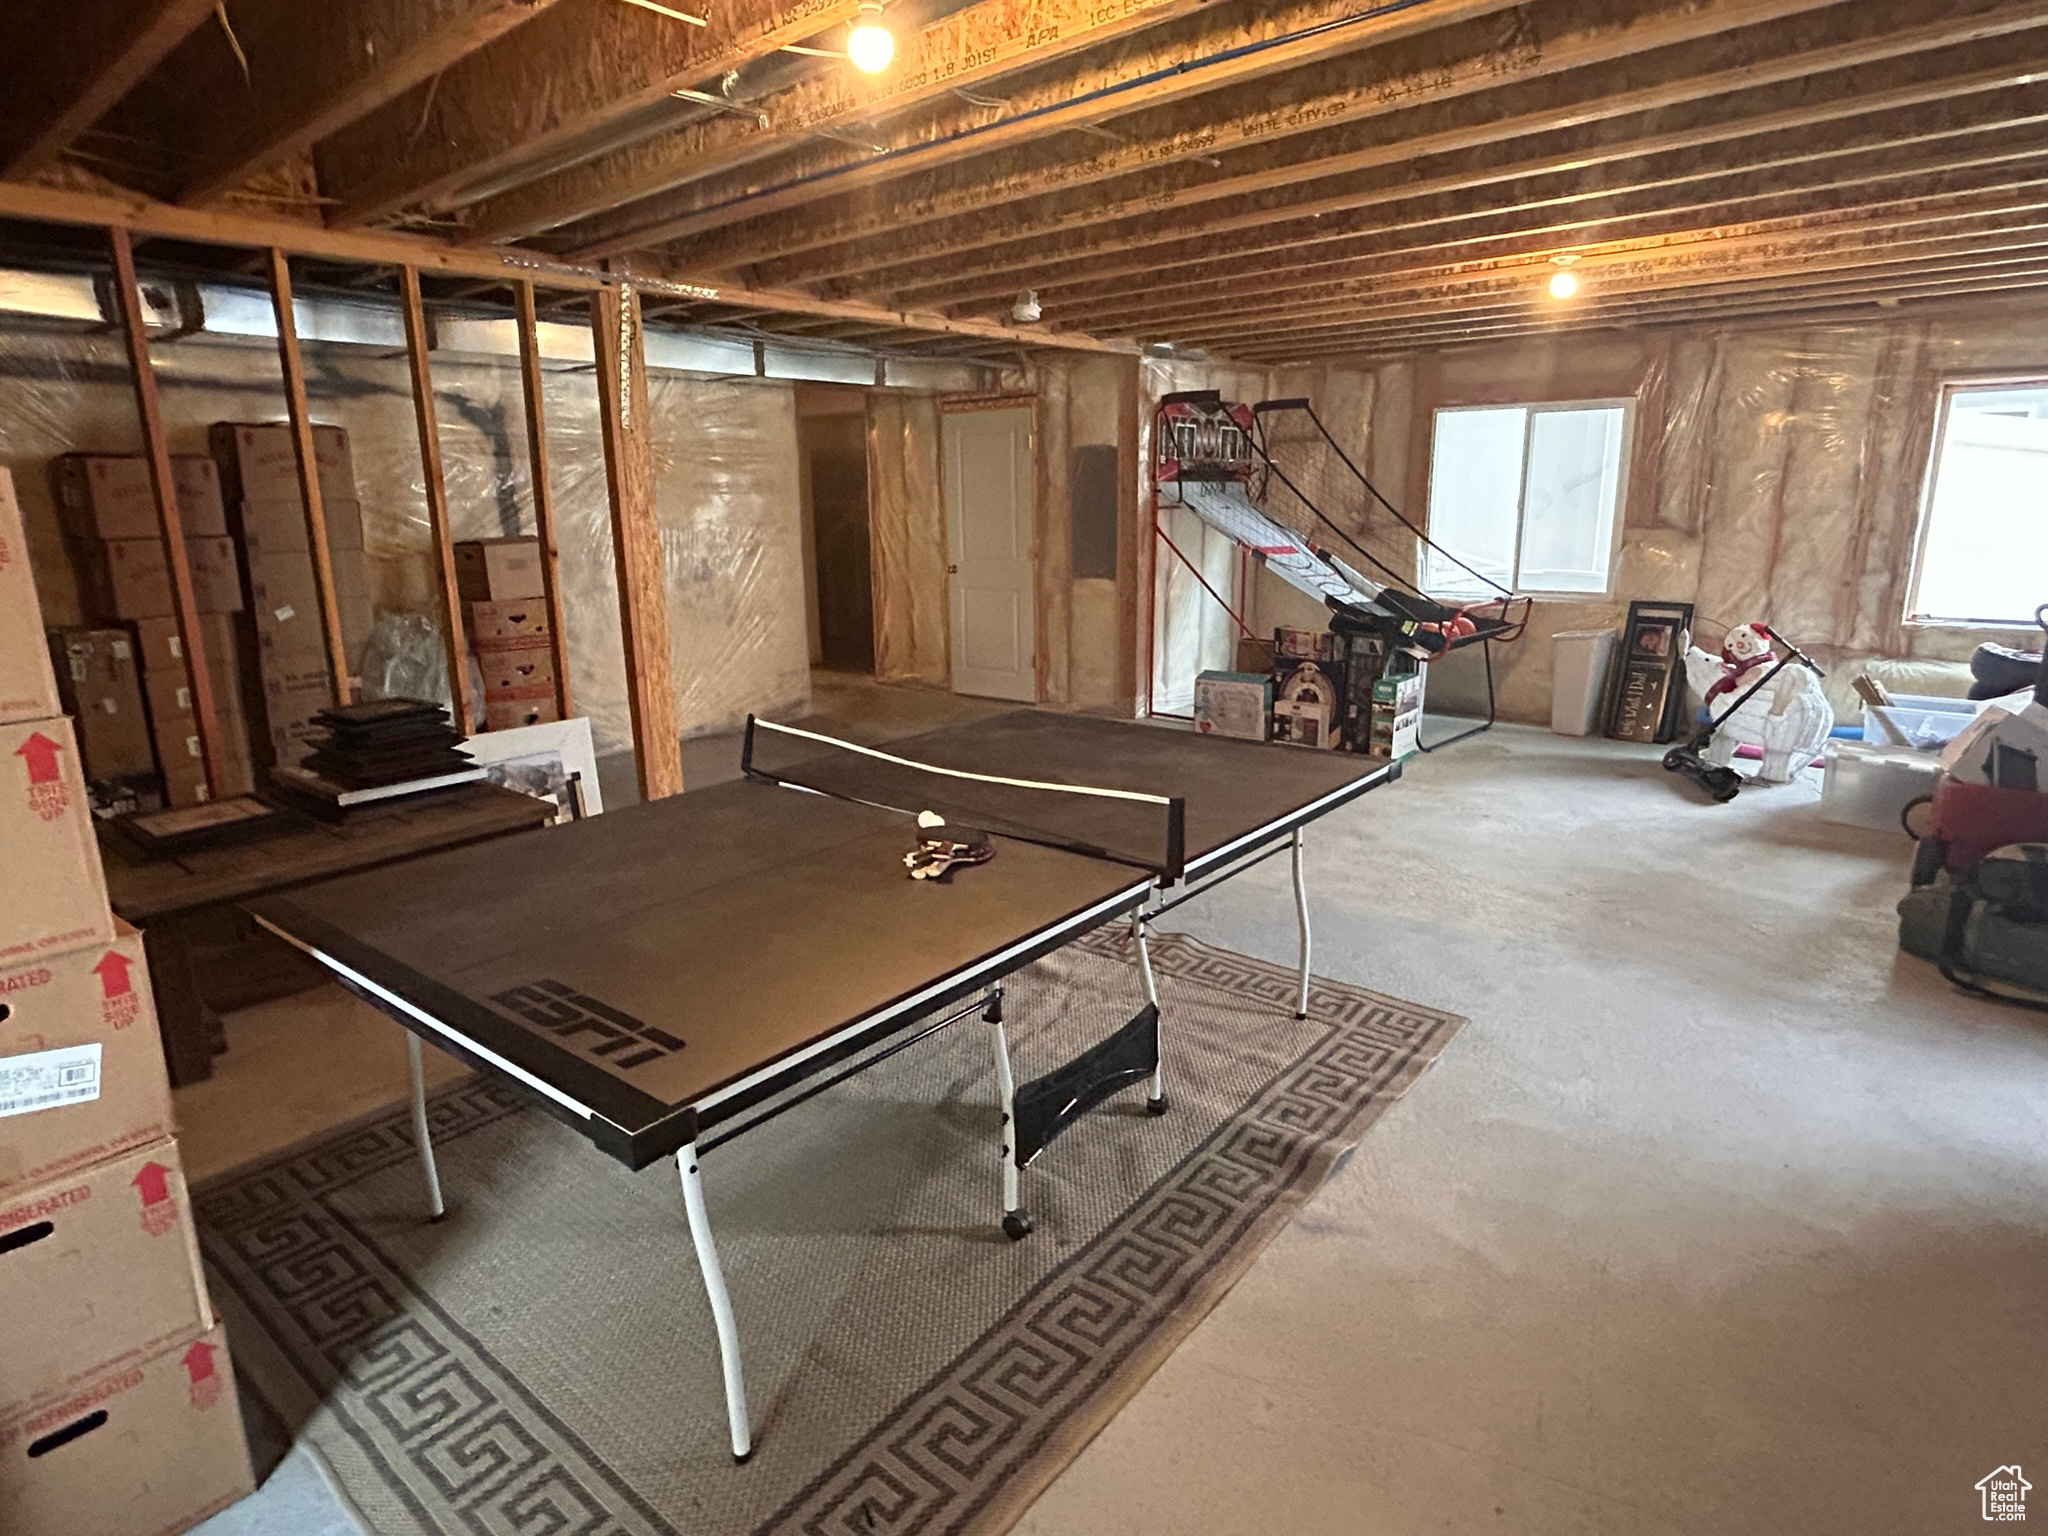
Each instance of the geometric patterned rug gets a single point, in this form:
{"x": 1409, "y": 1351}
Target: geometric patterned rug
{"x": 543, "y": 1361}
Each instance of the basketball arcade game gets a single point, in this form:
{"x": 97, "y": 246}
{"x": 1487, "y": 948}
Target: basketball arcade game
{"x": 1224, "y": 463}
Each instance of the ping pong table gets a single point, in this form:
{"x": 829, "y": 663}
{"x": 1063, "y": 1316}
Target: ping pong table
{"x": 668, "y": 976}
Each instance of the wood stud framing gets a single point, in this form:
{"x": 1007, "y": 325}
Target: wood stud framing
{"x": 446, "y": 598}
{"x": 213, "y": 743}
{"x": 315, "y": 499}
{"x": 543, "y": 490}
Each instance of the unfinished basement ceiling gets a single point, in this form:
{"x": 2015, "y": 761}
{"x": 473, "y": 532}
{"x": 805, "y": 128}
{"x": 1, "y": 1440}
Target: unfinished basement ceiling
{"x": 1261, "y": 181}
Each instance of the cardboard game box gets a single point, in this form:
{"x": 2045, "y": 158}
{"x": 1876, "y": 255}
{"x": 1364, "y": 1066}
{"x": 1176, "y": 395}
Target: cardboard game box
{"x": 1308, "y": 702}
{"x": 1237, "y": 704}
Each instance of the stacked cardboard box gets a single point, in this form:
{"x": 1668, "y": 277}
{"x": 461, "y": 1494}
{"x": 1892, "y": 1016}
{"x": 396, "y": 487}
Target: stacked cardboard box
{"x": 110, "y": 516}
{"x": 501, "y": 582}
{"x": 259, "y": 471}
{"x": 117, "y": 1409}
{"x": 174, "y": 727}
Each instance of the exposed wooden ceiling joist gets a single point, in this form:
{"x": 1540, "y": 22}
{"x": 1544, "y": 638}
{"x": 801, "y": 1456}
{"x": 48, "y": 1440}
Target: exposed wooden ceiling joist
{"x": 1940, "y": 135}
{"x": 1785, "y": 266}
{"x": 1160, "y": 149}
{"x": 582, "y": 66}
{"x": 72, "y": 60}
{"x": 1231, "y": 42}
{"x": 1856, "y": 300}
{"x": 957, "y": 53}
{"x": 1892, "y": 223}
{"x": 1646, "y": 215}
{"x": 228, "y": 105}
{"x": 1562, "y": 108}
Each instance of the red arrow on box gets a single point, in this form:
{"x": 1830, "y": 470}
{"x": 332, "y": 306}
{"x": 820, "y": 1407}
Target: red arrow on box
{"x": 113, "y": 974}
{"x": 199, "y": 1362}
{"x": 40, "y": 753}
{"x": 154, "y": 1180}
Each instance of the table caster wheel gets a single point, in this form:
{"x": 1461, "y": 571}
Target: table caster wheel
{"x": 1156, "y": 1106}
{"x": 1016, "y": 1226}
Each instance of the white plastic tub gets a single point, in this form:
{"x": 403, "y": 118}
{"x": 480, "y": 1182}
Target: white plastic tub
{"x": 1868, "y": 786}
{"x": 1918, "y": 720}
{"x": 1582, "y": 659}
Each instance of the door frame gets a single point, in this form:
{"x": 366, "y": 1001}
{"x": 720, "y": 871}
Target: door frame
{"x": 950, "y": 405}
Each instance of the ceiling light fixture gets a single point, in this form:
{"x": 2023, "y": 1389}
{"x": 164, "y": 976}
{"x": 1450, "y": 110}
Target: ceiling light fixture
{"x": 1565, "y": 283}
{"x": 870, "y": 45}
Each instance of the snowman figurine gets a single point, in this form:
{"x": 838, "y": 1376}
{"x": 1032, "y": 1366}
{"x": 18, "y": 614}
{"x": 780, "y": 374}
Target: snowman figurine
{"x": 1789, "y": 718}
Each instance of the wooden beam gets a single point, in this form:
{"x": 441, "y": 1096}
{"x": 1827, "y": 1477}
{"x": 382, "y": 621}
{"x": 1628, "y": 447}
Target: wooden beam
{"x": 1202, "y": 55}
{"x": 1666, "y": 74}
{"x": 577, "y": 72}
{"x": 1734, "y": 201}
{"x": 1926, "y": 295}
{"x": 147, "y": 217}
{"x": 214, "y": 746}
{"x": 1763, "y": 293}
{"x": 446, "y": 597}
{"x": 636, "y": 540}
{"x": 1679, "y": 230}
{"x": 222, "y": 111}
{"x": 1443, "y": 63}
{"x": 531, "y": 380}
{"x": 301, "y": 419}
{"x": 959, "y": 51}
{"x": 1784, "y": 269}
{"x": 67, "y": 76}
{"x": 1895, "y": 146}
{"x": 1624, "y": 152}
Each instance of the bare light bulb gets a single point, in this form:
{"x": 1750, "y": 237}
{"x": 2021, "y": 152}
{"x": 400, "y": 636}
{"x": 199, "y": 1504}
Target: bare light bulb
{"x": 870, "y": 45}
{"x": 1563, "y": 286}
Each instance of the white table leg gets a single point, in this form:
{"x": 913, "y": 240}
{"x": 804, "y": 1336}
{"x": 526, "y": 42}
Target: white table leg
{"x": 1301, "y": 914}
{"x": 1016, "y": 1225}
{"x": 435, "y": 1207}
{"x": 1140, "y": 934}
{"x": 721, "y": 1304}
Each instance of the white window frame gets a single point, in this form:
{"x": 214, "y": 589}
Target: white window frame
{"x": 1924, "y": 519}
{"x": 1626, "y": 405}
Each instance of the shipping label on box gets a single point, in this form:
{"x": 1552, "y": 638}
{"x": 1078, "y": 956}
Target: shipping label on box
{"x": 1237, "y": 704}
{"x": 142, "y": 1449}
{"x": 98, "y": 1268}
{"x": 1308, "y": 703}
{"x": 490, "y": 622}
{"x": 52, "y": 896}
{"x": 498, "y": 570}
{"x": 110, "y": 496}
{"x": 81, "y": 1067}
{"x": 28, "y": 688}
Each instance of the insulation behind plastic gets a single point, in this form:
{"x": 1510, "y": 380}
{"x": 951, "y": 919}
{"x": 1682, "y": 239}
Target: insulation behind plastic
{"x": 726, "y": 494}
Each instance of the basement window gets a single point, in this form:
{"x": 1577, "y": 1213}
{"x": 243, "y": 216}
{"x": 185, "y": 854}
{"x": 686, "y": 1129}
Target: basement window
{"x": 1525, "y": 496}
{"x": 1984, "y": 530}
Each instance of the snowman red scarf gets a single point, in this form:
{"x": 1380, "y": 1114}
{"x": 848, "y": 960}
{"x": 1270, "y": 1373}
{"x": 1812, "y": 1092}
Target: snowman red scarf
{"x": 1738, "y": 668}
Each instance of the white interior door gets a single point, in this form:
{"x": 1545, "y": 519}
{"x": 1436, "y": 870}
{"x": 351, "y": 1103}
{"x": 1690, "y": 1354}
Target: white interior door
{"x": 988, "y": 529}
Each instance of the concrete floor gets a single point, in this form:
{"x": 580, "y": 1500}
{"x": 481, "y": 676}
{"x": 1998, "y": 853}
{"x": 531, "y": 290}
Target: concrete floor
{"x": 1720, "y": 1216}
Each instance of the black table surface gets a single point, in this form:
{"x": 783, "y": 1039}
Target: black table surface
{"x": 642, "y": 960}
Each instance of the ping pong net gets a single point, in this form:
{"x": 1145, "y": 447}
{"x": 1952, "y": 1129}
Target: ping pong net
{"x": 1131, "y": 827}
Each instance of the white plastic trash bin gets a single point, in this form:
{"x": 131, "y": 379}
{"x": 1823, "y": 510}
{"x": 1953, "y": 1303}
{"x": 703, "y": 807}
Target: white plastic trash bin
{"x": 1582, "y": 659}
